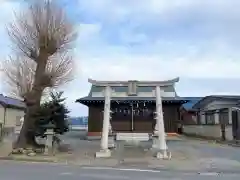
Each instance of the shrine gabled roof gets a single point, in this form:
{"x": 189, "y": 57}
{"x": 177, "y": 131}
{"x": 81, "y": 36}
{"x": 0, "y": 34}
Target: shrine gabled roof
{"x": 125, "y": 89}
{"x": 122, "y": 87}
{"x": 142, "y": 86}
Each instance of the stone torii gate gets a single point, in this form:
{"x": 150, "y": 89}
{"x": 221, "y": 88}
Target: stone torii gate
{"x": 159, "y": 132}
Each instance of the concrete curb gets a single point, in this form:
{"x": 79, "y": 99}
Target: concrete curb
{"x": 24, "y": 159}
{"x": 232, "y": 144}
{"x": 211, "y": 140}
{"x": 197, "y": 137}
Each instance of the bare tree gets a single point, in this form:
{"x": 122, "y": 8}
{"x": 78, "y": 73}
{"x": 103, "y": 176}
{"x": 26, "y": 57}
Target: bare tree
{"x": 42, "y": 37}
{"x": 18, "y": 76}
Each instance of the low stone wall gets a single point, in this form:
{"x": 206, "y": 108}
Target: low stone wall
{"x": 207, "y": 131}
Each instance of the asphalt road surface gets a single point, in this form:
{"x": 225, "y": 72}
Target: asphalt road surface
{"x": 10, "y": 170}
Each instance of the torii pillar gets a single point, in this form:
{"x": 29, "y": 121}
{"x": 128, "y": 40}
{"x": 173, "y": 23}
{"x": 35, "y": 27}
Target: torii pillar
{"x": 104, "y": 150}
{"x": 106, "y": 140}
{"x": 159, "y": 139}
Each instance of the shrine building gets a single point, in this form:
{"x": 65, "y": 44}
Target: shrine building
{"x": 133, "y": 105}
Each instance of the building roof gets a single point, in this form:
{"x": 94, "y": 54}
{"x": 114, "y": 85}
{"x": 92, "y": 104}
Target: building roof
{"x": 12, "y": 102}
{"x": 204, "y": 101}
{"x": 191, "y": 102}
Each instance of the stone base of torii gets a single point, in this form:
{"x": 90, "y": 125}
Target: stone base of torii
{"x": 159, "y": 135}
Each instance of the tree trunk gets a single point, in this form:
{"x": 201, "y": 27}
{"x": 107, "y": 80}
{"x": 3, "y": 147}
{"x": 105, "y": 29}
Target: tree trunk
{"x": 22, "y": 141}
{"x": 26, "y": 137}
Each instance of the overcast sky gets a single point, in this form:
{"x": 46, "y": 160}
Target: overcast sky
{"x": 196, "y": 40}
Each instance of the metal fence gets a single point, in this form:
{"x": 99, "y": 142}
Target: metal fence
{"x": 78, "y": 123}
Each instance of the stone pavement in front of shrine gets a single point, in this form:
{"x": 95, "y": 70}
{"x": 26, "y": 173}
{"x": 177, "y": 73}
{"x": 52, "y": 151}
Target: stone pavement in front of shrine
{"x": 187, "y": 155}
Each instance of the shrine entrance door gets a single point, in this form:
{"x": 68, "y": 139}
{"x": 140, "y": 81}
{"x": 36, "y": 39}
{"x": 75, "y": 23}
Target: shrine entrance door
{"x": 121, "y": 119}
{"x": 132, "y": 118}
{"x": 142, "y": 120}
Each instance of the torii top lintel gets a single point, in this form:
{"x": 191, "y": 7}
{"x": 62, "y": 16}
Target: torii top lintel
{"x": 139, "y": 83}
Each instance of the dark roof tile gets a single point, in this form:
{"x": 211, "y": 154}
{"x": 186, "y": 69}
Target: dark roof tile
{"x": 119, "y": 98}
{"x": 12, "y": 101}
{"x": 191, "y": 102}
{"x": 130, "y": 98}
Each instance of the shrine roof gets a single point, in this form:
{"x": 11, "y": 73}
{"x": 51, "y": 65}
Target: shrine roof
{"x": 120, "y": 89}
{"x": 141, "y": 86}
{"x": 143, "y": 91}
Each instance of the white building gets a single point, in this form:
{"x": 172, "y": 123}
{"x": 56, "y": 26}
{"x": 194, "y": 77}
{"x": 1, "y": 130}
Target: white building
{"x": 217, "y": 116}
{"x": 11, "y": 111}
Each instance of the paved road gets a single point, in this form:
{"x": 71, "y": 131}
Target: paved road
{"x": 10, "y": 170}
{"x": 224, "y": 159}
